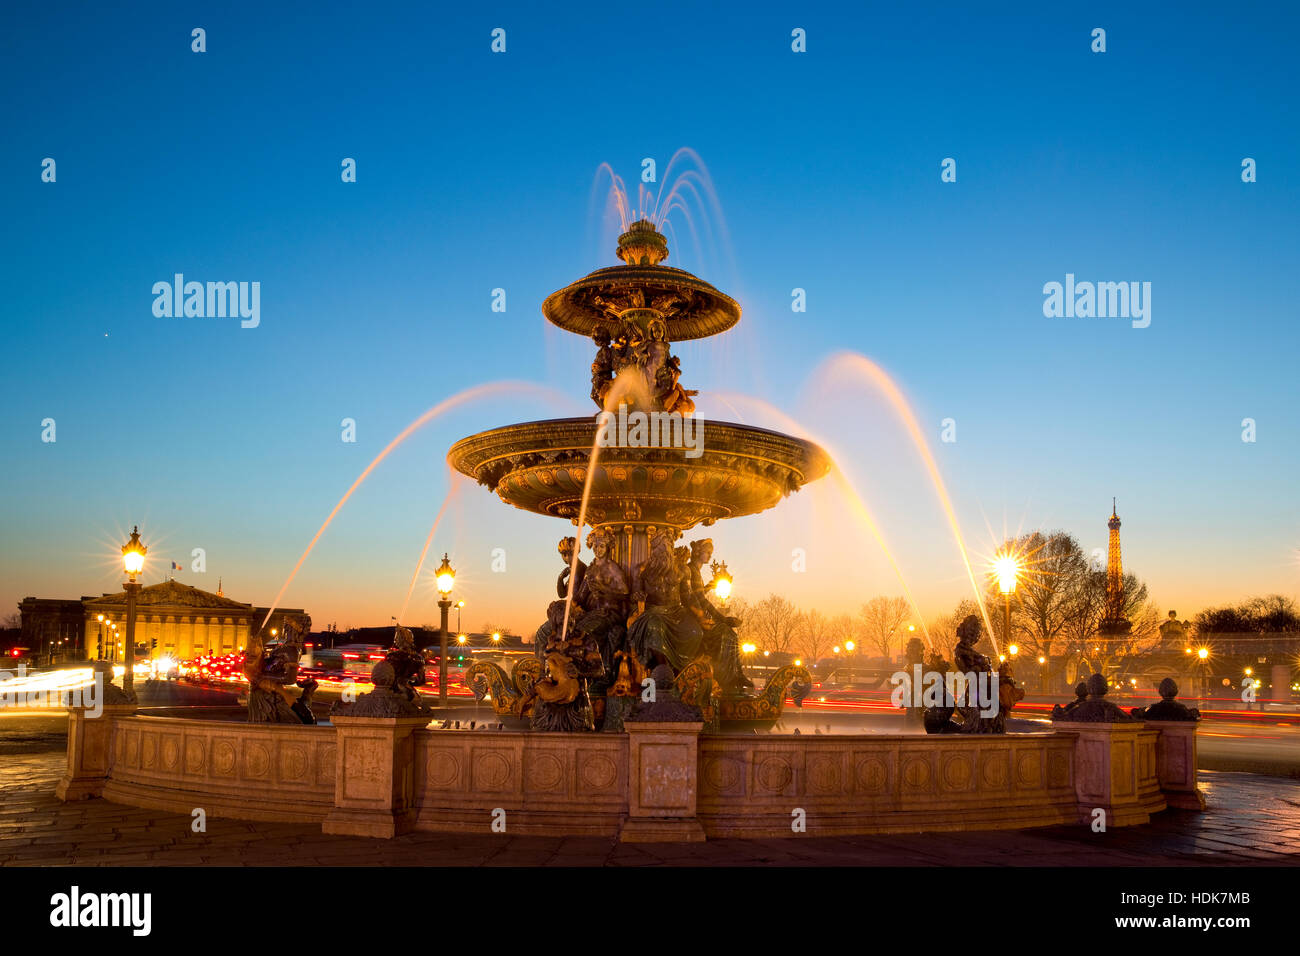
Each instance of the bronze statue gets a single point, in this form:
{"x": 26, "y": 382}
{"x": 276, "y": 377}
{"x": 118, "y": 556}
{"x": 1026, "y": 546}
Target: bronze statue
{"x": 407, "y": 663}
{"x": 1080, "y": 695}
{"x": 1008, "y": 696}
{"x": 671, "y": 396}
{"x": 721, "y": 642}
{"x": 967, "y": 660}
{"x": 602, "y": 366}
{"x": 663, "y": 630}
{"x": 273, "y": 669}
{"x": 1169, "y": 707}
{"x": 579, "y": 569}
{"x": 555, "y": 611}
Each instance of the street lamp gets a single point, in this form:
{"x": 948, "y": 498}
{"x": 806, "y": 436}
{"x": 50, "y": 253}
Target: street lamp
{"x": 133, "y": 553}
{"x": 1006, "y": 569}
{"x": 446, "y": 576}
{"x": 460, "y": 605}
{"x": 721, "y": 582}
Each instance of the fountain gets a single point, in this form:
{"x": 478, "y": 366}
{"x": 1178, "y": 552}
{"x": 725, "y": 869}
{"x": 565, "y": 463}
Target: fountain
{"x": 641, "y": 473}
{"x": 634, "y": 647}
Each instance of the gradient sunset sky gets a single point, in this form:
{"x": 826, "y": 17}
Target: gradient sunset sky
{"x": 476, "y": 171}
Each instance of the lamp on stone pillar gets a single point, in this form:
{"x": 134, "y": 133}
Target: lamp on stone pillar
{"x": 133, "y": 553}
{"x": 446, "y": 576}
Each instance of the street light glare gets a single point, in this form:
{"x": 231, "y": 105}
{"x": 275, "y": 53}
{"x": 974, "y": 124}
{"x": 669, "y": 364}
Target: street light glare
{"x": 133, "y": 553}
{"x": 1006, "y": 569}
{"x": 446, "y": 576}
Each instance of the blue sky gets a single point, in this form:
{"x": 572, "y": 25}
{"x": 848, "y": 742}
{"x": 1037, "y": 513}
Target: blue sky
{"x": 475, "y": 172}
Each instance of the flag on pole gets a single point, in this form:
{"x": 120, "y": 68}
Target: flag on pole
{"x": 176, "y": 567}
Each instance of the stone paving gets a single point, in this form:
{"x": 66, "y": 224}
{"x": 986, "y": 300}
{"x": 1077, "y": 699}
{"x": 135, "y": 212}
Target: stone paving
{"x": 1252, "y": 820}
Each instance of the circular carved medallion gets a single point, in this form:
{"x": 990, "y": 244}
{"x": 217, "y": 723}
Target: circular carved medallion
{"x": 774, "y": 774}
{"x": 599, "y": 772}
{"x": 544, "y": 772}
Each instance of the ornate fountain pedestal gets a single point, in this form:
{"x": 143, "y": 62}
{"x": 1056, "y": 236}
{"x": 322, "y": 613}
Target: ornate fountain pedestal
{"x": 1115, "y": 771}
{"x": 1176, "y": 763}
{"x": 662, "y": 788}
{"x": 374, "y": 783}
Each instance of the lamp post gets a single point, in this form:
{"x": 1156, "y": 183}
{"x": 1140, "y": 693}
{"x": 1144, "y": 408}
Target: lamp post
{"x": 446, "y": 576}
{"x": 133, "y": 553}
{"x": 101, "y": 636}
{"x": 1006, "y": 569}
{"x": 460, "y": 606}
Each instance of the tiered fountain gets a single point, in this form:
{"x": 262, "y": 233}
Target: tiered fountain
{"x": 639, "y": 617}
{"x": 641, "y": 604}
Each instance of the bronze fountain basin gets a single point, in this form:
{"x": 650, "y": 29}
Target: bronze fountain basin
{"x": 541, "y": 467}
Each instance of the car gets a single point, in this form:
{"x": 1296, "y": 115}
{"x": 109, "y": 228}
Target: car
{"x": 854, "y": 678}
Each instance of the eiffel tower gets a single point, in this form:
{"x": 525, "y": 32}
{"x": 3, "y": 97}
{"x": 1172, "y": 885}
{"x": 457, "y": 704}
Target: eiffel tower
{"x": 1113, "y": 622}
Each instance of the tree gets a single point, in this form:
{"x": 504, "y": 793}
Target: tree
{"x": 1274, "y": 613}
{"x": 881, "y": 618}
{"x": 773, "y": 620}
{"x": 489, "y": 628}
{"x": 1271, "y": 614}
{"x": 1052, "y": 594}
{"x": 943, "y": 629}
{"x": 844, "y": 629}
{"x": 1088, "y": 648}
{"x": 812, "y": 635}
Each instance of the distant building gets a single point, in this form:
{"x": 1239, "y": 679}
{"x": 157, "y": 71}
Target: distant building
{"x": 184, "y": 622}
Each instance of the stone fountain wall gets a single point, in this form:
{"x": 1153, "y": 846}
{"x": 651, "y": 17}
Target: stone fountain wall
{"x": 246, "y": 771}
{"x": 661, "y": 782}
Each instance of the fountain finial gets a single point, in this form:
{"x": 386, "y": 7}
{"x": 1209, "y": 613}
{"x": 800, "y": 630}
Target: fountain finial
{"x": 642, "y": 244}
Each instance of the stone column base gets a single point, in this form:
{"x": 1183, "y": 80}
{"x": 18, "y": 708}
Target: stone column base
{"x": 1176, "y": 763}
{"x": 663, "y": 764}
{"x": 381, "y": 824}
{"x": 374, "y": 786}
{"x": 90, "y": 752}
{"x": 662, "y": 830}
{"x": 1115, "y": 771}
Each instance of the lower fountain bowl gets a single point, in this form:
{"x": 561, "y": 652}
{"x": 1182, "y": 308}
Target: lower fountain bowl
{"x": 674, "y": 478}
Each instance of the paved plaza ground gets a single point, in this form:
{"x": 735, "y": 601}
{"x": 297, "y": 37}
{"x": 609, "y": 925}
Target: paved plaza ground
{"x": 1252, "y": 820}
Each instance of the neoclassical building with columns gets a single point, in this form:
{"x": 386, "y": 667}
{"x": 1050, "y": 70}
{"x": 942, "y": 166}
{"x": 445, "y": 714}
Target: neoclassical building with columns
{"x": 184, "y": 621}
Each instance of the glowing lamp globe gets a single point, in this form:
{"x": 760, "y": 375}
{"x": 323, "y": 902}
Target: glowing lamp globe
{"x": 1006, "y": 570}
{"x": 721, "y": 582}
{"x": 133, "y": 553}
{"x": 446, "y": 576}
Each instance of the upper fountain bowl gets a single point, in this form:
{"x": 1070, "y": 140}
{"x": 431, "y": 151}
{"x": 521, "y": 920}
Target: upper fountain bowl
{"x": 691, "y": 308}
